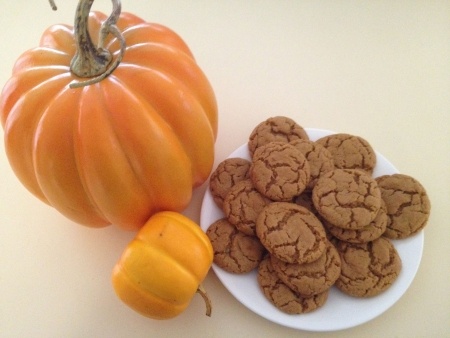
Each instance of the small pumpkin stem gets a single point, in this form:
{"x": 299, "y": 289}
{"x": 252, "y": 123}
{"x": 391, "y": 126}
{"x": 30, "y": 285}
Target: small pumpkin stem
{"x": 201, "y": 290}
{"x": 92, "y": 61}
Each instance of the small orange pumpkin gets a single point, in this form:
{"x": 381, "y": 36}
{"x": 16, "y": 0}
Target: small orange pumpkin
{"x": 120, "y": 149}
{"x": 163, "y": 267}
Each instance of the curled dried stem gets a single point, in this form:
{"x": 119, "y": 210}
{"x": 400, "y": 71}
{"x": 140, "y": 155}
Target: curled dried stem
{"x": 90, "y": 61}
{"x": 202, "y": 292}
{"x": 103, "y": 68}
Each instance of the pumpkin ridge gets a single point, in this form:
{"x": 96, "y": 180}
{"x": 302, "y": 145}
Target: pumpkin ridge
{"x": 42, "y": 57}
{"x": 171, "y": 61}
{"x": 188, "y": 279}
{"x": 54, "y": 156}
{"x": 204, "y": 239}
{"x": 169, "y": 230}
{"x": 120, "y": 217}
{"x": 59, "y": 37}
{"x": 127, "y": 20}
{"x": 23, "y": 162}
{"x": 22, "y": 83}
{"x": 90, "y": 198}
{"x": 131, "y": 293}
{"x": 131, "y": 91}
{"x": 194, "y": 147}
{"x": 125, "y": 153}
{"x": 151, "y": 33}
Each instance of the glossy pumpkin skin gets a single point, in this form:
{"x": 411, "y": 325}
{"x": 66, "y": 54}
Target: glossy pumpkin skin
{"x": 116, "y": 151}
{"x": 161, "y": 269}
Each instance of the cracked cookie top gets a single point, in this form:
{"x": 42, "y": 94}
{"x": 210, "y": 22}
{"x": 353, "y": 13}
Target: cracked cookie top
{"x": 234, "y": 251}
{"x": 367, "y": 268}
{"x": 346, "y": 198}
{"x": 350, "y": 151}
{"x": 279, "y": 171}
{"x": 370, "y": 232}
{"x": 312, "y": 278}
{"x": 291, "y": 232}
{"x": 242, "y": 205}
{"x": 407, "y": 202}
{"x": 229, "y": 172}
{"x": 283, "y": 297}
{"x": 275, "y": 129}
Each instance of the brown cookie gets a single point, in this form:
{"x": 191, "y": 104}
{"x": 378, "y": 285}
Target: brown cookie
{"x": 310, "y": 278}
{"x": 234, "y": 251}
{"x": 279, "y": 129}
{"x": 348, "y": 199}
{"x": 367, "y": 268}
{"x": 242, "y": 205}
{"x": 350, "y": 151}
{"x": 291, "y": 233}
{"x": 279, "y": 171}
{"x": 284, "y": 298}
{"x": 370, "y": 232}
{"x": 319, "y": 158}
{"x": 407, "y": 202}
{"x": 227, "y": 174}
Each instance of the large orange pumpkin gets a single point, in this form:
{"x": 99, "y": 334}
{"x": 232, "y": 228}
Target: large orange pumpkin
{"x": 118, "y": 150}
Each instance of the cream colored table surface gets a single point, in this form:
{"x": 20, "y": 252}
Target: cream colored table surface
{"x": 378, "y": 69}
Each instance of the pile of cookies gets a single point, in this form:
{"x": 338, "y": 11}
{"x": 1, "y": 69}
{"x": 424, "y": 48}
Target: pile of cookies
{"x": 309, "y": 215}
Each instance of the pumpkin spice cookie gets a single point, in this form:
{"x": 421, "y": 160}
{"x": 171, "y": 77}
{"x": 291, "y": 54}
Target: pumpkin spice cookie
{"x": 370, "y": 232}
{"x": 284, "y": 298}
{"x": 242, "y": 205}
{"x": 319, "y": 158}
{"x": 234, "y": 251}
{"x": 227, "y": 174}
{"x": 291, "y": 233}
{"x": 278, "y": 129}
{"x": 367, "y": 269}
{"x": 310, "y": 278}
{"x": 279, "y": 171}
{"x": 408, "y": 205}
{"x": 350, "y": 151}
{"x": 348, "y": 199}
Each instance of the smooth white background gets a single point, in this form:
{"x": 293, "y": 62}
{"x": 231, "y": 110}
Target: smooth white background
{"x": 378, "y": 69}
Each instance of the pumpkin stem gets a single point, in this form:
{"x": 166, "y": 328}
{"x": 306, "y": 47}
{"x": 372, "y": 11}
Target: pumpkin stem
{"x": 202, "y": 292}
{"x": 92, "y": 61}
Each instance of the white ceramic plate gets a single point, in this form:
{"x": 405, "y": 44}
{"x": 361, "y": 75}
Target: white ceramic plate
{"x": 340, "y": 311}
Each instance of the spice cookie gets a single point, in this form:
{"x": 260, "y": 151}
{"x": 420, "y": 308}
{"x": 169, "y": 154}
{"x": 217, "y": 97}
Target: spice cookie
{"x": 350, "y": 151}
{"x": 310, "y": 278}
{"x": 284, "y": 298}
{"x": 291, "y": 233}
{"x": 348, "y": 199}
{"x": 242, "y": 205}
{"x": 226, "y": 175}
{"x": 407, "y": 202}
{"x": 370, "y": 232}
{"x": 234, "y": 251}
{"x": 279, "y": 171}
{"x": 367, "y": 268}
{"x": 278, "y": 128}
{"x": 319, "y": 158}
